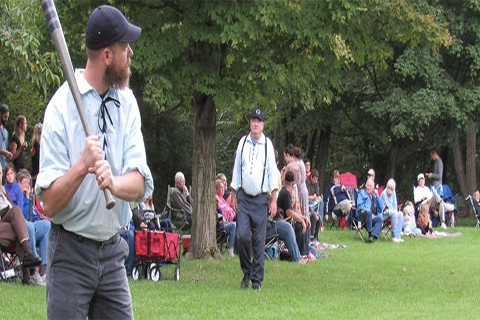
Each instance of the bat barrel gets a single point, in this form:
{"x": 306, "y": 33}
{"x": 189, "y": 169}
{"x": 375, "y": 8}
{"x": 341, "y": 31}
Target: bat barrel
{"x": 50, "y": 15}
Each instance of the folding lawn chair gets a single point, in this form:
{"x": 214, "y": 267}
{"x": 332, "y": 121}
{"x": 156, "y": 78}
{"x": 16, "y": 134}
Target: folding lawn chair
{"x": 358, "y": 225}
{"x": 271, "y": 241}
{"x": 335, "y": 219}
{"x": 172, "y": 214}
{"x": 386, "y": 228}
{"x": 469, "y": 200}
{"x": 9, "y": 266}
{"x": 349, "y": 181}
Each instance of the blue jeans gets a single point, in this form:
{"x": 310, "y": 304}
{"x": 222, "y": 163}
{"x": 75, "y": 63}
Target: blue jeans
{"x": 397, "y": 222}
{"x": 303, "y": 239}
{"x": 231, "y": 229}
{"x": 374, "y": 225}
{"x": 287, "y": 235}
{"x": 129, "y": 237}
{"x": 38, "y": 234}
{"x": 316, "y": 210}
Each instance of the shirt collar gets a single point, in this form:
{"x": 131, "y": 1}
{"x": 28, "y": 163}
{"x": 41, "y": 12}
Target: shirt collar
{"x": 84, "y": 86}
{"x": 260, "y": 141}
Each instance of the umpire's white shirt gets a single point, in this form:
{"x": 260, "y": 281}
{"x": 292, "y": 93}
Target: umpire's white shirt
{"x": 249, "y": 171}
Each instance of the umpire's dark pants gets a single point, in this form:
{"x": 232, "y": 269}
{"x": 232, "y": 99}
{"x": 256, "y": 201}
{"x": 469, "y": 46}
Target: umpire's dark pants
{"x": 251, "y": 229}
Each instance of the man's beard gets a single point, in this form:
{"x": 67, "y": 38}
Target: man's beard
{"x": 117, "y": 78}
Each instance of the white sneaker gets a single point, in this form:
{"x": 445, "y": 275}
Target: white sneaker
{"x": 444, "y": 226}
{"x": 37, "y": 279}
{"x": 396, "y": 240}
{"x": 230, "y": 252}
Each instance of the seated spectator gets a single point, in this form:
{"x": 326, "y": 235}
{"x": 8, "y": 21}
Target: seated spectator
{"x": 222, "y": 177}
{"x": 424, "y": 223}
{"x": 181, "y": 200}
{"x": 308, "y": 168}
{"x": 389, "y": 199}
{"x": 369, "y": 209}
{"x": 315, "y": 204}
{"x": 409, "y": 223}
{"x": 141, "y": 220}
{"x": 422, "y": 194}
{"x": 13, "y": 230}
{"x": 287, "y": 201}
{"x": 227, "y": 215}
{"x": 476, "y": 201}
{"x": 339, "y": 201}
{"x": 285, "y": 211}
{"x": 12, "y": 187}
{"x": 38, "y": 228}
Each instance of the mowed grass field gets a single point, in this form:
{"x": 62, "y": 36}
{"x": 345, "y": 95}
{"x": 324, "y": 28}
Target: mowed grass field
{"x": 418, "y": 279}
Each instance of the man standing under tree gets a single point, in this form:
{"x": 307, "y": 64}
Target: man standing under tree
{"x": 254, "y": 186}
{"x": 437, "y": 174}
{"x": 85, "y": 270}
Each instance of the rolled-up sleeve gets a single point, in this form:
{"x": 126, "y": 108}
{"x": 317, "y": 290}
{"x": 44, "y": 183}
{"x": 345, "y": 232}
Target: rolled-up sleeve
{"x": 135, "y": 158}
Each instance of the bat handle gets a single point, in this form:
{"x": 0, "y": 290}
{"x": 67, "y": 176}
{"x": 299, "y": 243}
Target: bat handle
{"x": 109, "y": 199}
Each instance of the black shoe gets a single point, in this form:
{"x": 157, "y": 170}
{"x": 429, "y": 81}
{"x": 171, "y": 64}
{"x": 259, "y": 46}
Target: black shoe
{"x": 245, "y": 282}
{"x": 31, "y": 261}
{"x": 257, "y": 286}
{"x": 369, "y": 239}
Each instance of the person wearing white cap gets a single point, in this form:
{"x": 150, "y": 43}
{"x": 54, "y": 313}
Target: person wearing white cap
{"x": 422, "y": 194}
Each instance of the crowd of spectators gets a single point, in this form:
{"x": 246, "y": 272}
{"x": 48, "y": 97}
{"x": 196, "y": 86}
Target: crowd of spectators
{"x": 17, "y": 192}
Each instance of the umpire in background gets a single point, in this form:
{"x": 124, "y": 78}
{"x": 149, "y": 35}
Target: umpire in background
{"x": 254, "y": 187}
{"x": 86, "y": 276}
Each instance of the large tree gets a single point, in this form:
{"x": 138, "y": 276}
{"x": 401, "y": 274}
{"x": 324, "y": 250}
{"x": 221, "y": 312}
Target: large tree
{"x": 215, "y": 54}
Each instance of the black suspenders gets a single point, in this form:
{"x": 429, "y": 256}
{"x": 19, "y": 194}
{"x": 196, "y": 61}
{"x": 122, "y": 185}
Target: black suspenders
{"x": 264, "y": 164}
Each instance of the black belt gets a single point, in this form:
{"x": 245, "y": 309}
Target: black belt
{"x": 112, "y": 240}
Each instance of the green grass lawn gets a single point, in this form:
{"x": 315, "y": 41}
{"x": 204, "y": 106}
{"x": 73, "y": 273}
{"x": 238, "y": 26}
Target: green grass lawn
{"x": 417, "y": 279}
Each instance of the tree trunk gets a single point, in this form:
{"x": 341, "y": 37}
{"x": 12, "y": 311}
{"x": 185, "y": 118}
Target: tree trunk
{"x": 458, "y": 164}
{"x": 310, "y": 147}
{"x": 471, "y": 151}
{"x": 203, "y": 178}
{"x": 322, "y": 156}
{"x": 392, "y": 161}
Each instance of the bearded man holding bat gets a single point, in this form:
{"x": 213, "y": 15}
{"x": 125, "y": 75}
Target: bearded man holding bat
{"x": 85, "y": 270}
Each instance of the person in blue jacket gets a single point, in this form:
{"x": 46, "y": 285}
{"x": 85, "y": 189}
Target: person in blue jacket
{"x": 369, "y": 210}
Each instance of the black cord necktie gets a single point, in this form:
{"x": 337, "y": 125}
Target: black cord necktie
{"x": 103, "y": 115}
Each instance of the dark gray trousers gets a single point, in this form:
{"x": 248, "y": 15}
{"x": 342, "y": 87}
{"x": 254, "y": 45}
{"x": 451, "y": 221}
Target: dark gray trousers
{"x": 86, "y": 278}
{"x": 251, "y": 230}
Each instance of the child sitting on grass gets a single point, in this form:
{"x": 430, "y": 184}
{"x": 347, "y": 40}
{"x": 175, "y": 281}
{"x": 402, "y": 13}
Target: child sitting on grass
{"x": 424, "y": 222}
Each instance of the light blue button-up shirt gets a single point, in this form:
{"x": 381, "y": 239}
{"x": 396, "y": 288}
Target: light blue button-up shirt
{"x": 248, "y": 170}
{"x": 62, "y": 144}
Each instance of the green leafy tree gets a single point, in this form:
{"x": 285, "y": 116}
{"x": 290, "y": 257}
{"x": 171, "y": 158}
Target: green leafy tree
{"x": 212, "y": 55}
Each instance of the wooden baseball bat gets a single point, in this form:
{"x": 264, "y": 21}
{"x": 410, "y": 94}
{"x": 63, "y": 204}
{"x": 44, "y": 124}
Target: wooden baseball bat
{"x": 56, "y": 31}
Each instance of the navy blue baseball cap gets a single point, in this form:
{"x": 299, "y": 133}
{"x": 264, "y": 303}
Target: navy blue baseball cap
{"x": 257, "y": 113}
{"x": 107, "y": 25}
